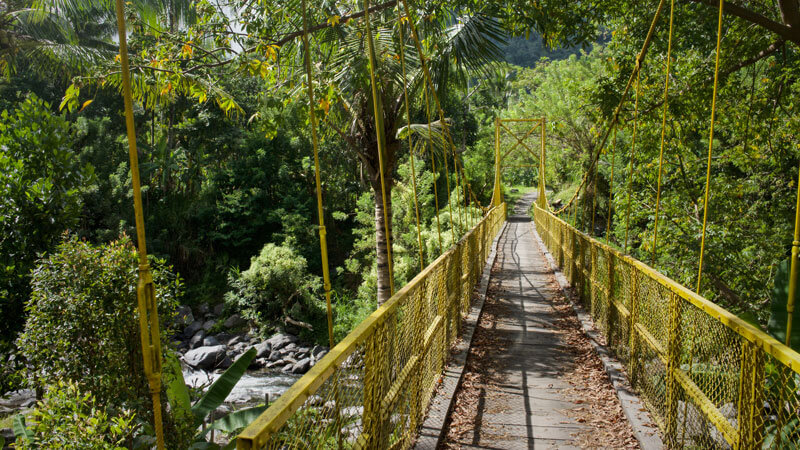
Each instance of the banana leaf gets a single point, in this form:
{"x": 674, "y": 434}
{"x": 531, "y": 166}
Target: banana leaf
{"x": 223, "y": 386}
{"x": 20, "y": 428}
{"x": 236, "y": 420}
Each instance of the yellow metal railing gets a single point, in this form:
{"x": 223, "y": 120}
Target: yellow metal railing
{"x": 372, "y": 390}
{"x": 709, "y": 379}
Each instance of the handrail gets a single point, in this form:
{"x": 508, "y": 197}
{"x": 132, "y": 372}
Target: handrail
{"x": 352, "y": 394}
{"x": 709, "y": 378}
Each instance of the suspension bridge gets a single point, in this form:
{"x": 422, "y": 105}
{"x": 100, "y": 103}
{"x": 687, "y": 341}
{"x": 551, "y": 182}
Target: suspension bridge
{"x": 708, "y": 378}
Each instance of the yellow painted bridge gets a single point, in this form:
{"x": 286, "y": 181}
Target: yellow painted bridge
{"x": 694, "y": 365}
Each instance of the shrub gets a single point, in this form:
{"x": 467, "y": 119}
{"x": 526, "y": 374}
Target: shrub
{"x": 277, "y": 288}
{"x": 83, "y": 321}
{"x": 41, "y": 179}
{"x": 69, "y": 419}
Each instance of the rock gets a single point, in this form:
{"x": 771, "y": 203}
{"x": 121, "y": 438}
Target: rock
{"x": 184, "y": 316}
{"x": 729, "y": 411}
{"x": 696, "y": 430}
{"x": 291, "y": 347}
{"x": 241, "y": 347}
{"x": 281, "y": 340}
{"x": 276, "y": 364}
{"x": 263, "y": 349}
{"x": 210, "y": 341}
{"x": 202, "y": 309}
{"x": 237, "y": 339}
{"x": 235, "y": 321}
{"x": 197, "y": 339}
{"x": 225, "y": 363}
{"x": 319, "y": 351}
{"x": 206, "y": 358}
{"x": 302, "y": 366}
{"x": 258, "y": 363}
{"x": 23, "y": 398}
{"x": 209, "y": 324}
{"x": 193, "y": 328}
{"x": 223, "y": 337}
{"x": 274, "y": 355}
{"x": 218, "y": 309}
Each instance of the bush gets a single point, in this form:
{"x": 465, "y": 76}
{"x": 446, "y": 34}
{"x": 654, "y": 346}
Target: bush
{"x": 276, "y": 289}
{"x": 83, "y": 321}
{"x": 41, "y": 179}
{"x": 69, "y": 419}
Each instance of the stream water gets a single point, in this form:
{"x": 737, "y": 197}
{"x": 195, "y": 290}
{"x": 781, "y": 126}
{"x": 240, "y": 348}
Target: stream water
{"x": 251, "y": 389}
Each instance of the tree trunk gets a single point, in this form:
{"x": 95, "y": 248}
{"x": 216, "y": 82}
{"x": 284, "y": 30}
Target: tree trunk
{"x": 381, "y": 238}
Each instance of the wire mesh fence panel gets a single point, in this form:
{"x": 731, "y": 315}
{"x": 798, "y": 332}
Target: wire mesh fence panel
{"x": 709, "y": 379}
{"x": 372, "y": 390}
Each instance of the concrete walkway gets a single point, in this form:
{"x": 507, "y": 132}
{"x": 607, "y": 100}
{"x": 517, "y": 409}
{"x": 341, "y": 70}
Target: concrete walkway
{"x": 524, "y": 406}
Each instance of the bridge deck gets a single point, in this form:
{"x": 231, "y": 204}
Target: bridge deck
{"x": 516, "y": 391}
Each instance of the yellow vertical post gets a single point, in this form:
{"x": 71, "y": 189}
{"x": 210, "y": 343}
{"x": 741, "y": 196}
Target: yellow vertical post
{"x": 542, "y": 175}
{"x": 323, "y": 243}
{"x": 793, "y": 269}
{"x": 145, "y": 290}
{"x": 497, "y": 196}
{"x": 611, "y": 188}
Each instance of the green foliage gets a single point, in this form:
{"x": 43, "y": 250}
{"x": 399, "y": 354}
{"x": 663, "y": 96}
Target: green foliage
{"x": 83, "y": 323}
{"x": 778, "y": 318}
{"x": 41, "y": 179}
{"x": 276, "y": 289}
{"x": 69, "y": 418}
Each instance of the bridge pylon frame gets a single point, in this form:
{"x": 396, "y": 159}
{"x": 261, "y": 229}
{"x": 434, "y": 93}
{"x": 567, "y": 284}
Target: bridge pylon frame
{"x": 499, "y": 126}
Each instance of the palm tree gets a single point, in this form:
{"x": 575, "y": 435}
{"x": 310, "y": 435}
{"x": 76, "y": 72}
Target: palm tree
{"x": 70, "y": 37}
{"x": 458, "y": 45}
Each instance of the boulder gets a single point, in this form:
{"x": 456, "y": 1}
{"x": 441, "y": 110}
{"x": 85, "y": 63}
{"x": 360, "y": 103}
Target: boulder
{"x": 301, "y": 366}
{"x": 263, "y": 349}
{"x": 274, "y": 355}
{"x": 197, "y": 339}
{"x": 206, "y": 358}
{"x": 225, "y": 363}
{"x": 209, "y": 324}
{"x": 210, "y": 341}
{"x": 235, "y": 321}
{"x": 218, "y": 309}
{"x": 281, "y": 340}
{"x": 193, "y": 328}
{"x": 184, "y": 316}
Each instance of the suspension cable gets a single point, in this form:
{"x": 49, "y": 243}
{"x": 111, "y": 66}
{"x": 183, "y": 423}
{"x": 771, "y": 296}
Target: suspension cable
{"x": 323, "y": 242}
{"x": 433, "y": 165}
{"x": 615, "y": 118}
{"x": 594, "y": 197}
{"x": 377, "y": 107}
{"x": 150, "y": 333}
{"x": 410, "y": 146}
{"x": 611, "y": 188}
{"x": 632, "y": 157}
{"x": 663, "y": 131}
{"x": 710, "y": 145}
{"x": 428, "y": 80}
